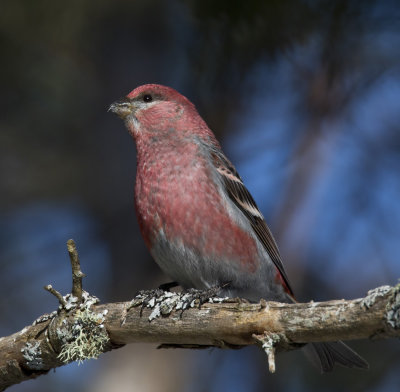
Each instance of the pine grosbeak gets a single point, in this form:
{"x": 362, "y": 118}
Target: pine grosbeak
{"x": 197, "y": 218}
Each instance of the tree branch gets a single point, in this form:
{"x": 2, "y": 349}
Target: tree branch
{"x": 89, "y": 328}
{"x": 77, "y": 274}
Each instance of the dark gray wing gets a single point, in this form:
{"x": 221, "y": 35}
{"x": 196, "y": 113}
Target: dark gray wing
{"x": 245, "y": 202}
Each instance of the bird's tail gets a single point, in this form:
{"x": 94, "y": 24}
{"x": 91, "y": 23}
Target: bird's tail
{"x": 325, "y": 355}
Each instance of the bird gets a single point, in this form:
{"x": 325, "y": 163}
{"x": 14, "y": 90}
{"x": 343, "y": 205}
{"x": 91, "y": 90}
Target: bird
{"x": 197, "y": 218}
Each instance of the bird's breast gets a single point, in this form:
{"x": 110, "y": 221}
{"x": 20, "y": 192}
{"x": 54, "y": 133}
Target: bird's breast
{"x": 176, "y": 195}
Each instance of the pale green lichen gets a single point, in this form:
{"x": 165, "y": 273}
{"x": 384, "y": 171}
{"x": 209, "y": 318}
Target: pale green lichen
{"x": 268, "y": 343}
{"x": 374, "y": 295}
{"x": 72, "y": 302}
{"x": 45, "y": 317}
{"x": 393, "y": 308}
{"x": 164, "y": 303}
{"x": 86, "y": 339}
{"x": 33, "y": 356}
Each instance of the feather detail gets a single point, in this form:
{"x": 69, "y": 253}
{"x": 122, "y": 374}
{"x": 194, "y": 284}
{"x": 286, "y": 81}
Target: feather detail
{"x": 242, "y": 198}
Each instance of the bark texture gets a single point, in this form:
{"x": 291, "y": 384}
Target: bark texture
{"x": 35, "y": 349}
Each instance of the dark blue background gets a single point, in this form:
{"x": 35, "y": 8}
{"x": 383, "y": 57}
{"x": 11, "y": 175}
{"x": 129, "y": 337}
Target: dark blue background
{"x": 305, "y": 99}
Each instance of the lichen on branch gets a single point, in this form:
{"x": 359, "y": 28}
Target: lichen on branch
{"x": 83, "y": 328}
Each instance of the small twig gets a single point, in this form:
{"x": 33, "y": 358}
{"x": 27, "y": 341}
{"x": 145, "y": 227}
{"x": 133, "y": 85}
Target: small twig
{"x": 57, "y": 294}
{"x": 77, "y": 274}
{"x": 268, "y": 343}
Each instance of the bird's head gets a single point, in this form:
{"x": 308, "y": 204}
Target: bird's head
{"x": 152, "y": 110}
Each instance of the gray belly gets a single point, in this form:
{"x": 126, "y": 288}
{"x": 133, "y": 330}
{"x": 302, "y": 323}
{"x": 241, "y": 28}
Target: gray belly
{"x": 192, "y": 270}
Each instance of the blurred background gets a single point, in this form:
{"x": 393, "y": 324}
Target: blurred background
{"x": 305, "y": 99}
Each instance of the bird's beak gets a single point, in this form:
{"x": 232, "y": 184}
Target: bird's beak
{"x": 121, "y": 108}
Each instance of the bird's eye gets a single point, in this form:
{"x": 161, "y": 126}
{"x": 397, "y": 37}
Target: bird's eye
{"x": 147, "y": 98}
